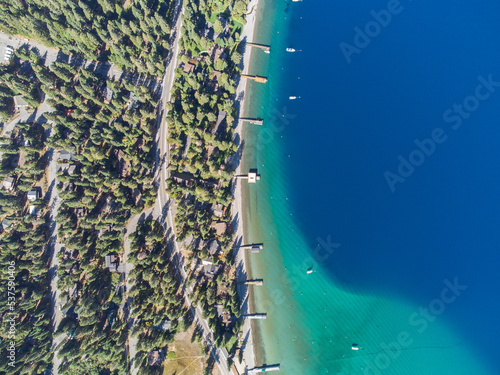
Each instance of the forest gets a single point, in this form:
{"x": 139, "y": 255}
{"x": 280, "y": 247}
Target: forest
{"x": 133, "y": 35}
{"x": 201, "y": 121}
{"x": 24, "y": 249}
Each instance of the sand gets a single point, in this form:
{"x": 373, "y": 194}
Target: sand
{"x": 241, "y": 276}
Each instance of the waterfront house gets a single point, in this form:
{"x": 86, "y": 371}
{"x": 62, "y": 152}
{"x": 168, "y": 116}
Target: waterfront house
{"x": 218, "y": 210}
{"x": 213, "y": 247}
{"x": 210, "y": 269}
{"x": 220, "y": 227}
{"x": 220, "y": 118}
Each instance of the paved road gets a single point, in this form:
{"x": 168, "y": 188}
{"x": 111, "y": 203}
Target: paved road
{"x": 162, "y": 210}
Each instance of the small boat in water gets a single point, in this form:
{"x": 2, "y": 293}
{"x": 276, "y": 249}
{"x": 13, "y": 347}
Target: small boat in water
{"x": 293, "y": 97}
{"x": 290, "y": 49}
{"x": 310, "y": 270}
{"x": 355, "y": 347}
{"x": 267, "y": 51}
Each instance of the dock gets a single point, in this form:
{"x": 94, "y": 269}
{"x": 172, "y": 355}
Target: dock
{"x": 255, "y": 316}
{"x": 256, "y": 370}
{"x": 254, "y": 121}
{"x": 252, "y": 176}
{"x": 255, "y": 78}
{"x": 256, "y": 282}
{"x": 261, "y": 46}
{"x": 254, "y": 248}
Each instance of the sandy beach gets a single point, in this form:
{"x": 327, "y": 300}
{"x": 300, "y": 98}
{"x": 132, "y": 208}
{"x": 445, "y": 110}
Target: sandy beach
{"x": 249, "y": 352}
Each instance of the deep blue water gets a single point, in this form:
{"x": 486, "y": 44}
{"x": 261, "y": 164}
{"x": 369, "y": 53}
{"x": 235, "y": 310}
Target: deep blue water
{"x": 354, "y": 120}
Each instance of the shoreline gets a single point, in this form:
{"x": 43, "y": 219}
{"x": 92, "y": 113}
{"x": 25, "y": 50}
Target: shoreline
{"x": 249, "y": 356}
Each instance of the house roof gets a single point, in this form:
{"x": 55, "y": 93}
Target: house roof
{"x": 220, "y": 227}
{"x": 213, "y": 247}
{"x": 189, "y": 68}
{"x": 65, "y": 155}
{"x": 110, "y": 260}
{"x": 211, "y": 270}
{"x": 218, "y": 209}
{"x": 8, "y": 182}
{"x": 5, "y": 223}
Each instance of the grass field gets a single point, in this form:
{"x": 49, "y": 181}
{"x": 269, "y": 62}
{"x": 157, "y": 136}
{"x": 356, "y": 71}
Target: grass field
{"x": 189, "y": 358}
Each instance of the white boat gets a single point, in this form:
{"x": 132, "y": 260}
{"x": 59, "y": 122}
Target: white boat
{"x": 292, "y": 97}
{"x": 290, "y": 49}
{"x": 266, "y": 51}
{"x": 355, "y": 347}
{"x": 310, "y": 270}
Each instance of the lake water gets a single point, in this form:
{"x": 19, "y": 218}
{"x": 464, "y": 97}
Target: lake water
{"x": 383, "y": 178}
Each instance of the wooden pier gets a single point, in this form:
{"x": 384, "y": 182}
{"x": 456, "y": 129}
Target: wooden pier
{"x": 254, "y": 248}
{"x": 255, "y": 78}
{"x": 255, "y": 316}
{"x": 264, "y": 368}
{"x": 256, "y": 282}
{"x": 261, "y": 46}
{"x": 254, "y": 121}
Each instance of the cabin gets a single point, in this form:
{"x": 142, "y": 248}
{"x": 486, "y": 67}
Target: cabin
{"x": 107, "y": 94}
{"x": 220, "y": 227}
{"x": 213, "y": 247}
{"x": 220, "y": 118}
{"x": 112, "y": 262}
{"x": 189, "y": 68}
{"x": 210, "y": 270}
{"x": 155, "y": 358}
{"x": 5, "y": 224}
{"x": 8, "y": 183}
{"x": 33, "y": 195}
{"x": 65, "y": 156}
{"x": 185, "y": 179}
{"x": 218, "y": 210}
{"x": 164, "y": 325}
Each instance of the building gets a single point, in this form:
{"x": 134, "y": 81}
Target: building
{"x": 253, "y": 177}
{"x": 185, "y": 179}
{"x": 20, "y": 103}
{"x": 155, "y": 357}
{"x": 8, "y": 183}
{"x": 164, "y": 325}
{"x": 5, "y": 224}
{"x": 218, "y": 210}
{"x": 210, "y": 269}
{"x": 33, "y": 195}
{"x": 63, "y": 167}
{"x": 65, "y": 156}
{"x": 213, "y": 247}
{"x": 220, "y": 227}
{"x": 112, "y": 262}
{"x": 107, "y": 93}
{"x": 32, "y": 210}
{"x": 220, "y": 118}
{"x": 189, "y": 68}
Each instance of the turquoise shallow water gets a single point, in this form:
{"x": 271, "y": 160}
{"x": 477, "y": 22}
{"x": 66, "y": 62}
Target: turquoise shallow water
{"x": 386, "y": 281}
